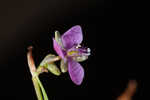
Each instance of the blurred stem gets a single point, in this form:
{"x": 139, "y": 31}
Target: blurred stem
{"x": 129, "y": 91}
{"x": 37, "y": 88}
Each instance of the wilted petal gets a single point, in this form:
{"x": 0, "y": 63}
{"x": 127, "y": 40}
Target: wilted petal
{"x": 76, "y": 71}
{"x": 72, "y": 37}
{"x": 58, "y": 48}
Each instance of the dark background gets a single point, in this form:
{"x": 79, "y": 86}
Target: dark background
{"x": 108, "y": 33}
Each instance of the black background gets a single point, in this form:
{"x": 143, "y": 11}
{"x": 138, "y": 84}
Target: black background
{"x": 113, "y": 59}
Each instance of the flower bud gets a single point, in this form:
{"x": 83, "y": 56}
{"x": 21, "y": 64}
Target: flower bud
{"x": 53, "y": 69}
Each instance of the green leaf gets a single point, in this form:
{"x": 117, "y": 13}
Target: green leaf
{"x": 53, "y": 69}
{"x": 63, "y": 66}
{"x": 80, "y": 58}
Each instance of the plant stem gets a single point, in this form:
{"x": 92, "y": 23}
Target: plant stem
{"x": 35, "y": 73}
{"x": 42, "y": 88}
{"x": 36, "y": 82}
{"x": 41, "y": 69}
{"x": 31, "y": 61}
{"x": 37, "y": 88}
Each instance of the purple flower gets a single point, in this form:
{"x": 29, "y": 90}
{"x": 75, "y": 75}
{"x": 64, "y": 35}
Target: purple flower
{"x": 69, "y": 49}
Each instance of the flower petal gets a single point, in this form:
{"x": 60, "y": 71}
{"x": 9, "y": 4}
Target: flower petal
{"x": 72, "y": 37}
{"x": 76, "y": 71}
{"x": 58, "y": 48}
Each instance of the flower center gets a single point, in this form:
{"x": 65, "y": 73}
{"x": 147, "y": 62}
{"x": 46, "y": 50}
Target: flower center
{"x": 78, "y": 50}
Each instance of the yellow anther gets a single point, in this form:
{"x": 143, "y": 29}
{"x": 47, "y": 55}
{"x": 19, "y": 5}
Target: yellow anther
{"x": 72, "y": 52}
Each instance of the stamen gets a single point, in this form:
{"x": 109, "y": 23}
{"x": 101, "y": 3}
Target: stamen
{"x": 78, "y": 46}
{"x": 78, "y": 50}
{"x": 70, "y": 53}
{"x": 88, "y": 50}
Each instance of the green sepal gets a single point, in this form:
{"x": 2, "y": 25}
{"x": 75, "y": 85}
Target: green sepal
{"x": 58, "y": 38}
{"x": 48, "y": 63}
{"x": 63, "y": 66}
{"x": 53, "y": 69}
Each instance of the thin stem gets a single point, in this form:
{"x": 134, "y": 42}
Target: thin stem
{"x": 36, "y": 82}
{"x": 42, "y": 88}
{"x": 37, "y": 89}
{"x": 35, "y": 73}
{"x": 57, "y": 58}
{"x": 41, "y": 69}
{"x": 31, "y": 61}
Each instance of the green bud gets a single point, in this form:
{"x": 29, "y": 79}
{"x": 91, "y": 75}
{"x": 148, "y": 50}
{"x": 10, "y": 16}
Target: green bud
{"x": 53, "y": 69}
{"x": 63, "y": 66}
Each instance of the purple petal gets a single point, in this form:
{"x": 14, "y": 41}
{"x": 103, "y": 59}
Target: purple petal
{"x": 72, "y": 37}
{"x": 76, "y": 71}
{"x": 58, "y": 49}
